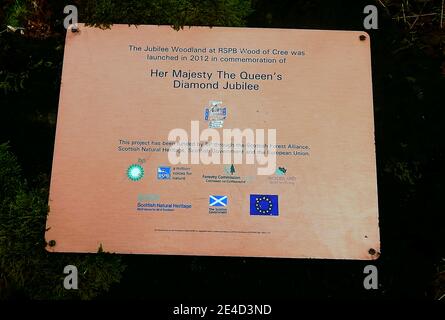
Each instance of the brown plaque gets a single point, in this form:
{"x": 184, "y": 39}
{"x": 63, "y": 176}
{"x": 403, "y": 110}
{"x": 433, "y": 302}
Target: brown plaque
{"x": 125, "y": 89}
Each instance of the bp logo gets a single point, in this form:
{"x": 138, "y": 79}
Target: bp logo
{"x": 135, "y": 172}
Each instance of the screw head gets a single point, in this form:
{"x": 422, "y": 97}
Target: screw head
{"x": 52, "y": 243}
{"x": 362, "y": 37}
{"x": 372, "y": 251}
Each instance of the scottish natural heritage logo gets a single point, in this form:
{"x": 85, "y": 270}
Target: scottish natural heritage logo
{"x": 135, "y": 172}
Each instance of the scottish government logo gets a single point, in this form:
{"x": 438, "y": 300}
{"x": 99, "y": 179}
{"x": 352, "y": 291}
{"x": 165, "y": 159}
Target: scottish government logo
{"x": 218, "y": 204}
{"x": 164, "y": 173}
{"x": 218, "y": 201}
{"x": 263, "y": 205}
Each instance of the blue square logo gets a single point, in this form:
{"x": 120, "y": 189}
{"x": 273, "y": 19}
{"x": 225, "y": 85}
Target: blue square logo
{"x": 164, "y": 173}
{"x": 263, "y": 205}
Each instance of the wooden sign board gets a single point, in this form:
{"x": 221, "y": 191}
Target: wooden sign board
{"x": 126, "y": 88}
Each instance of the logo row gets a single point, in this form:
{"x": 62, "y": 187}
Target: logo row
{"x": 136, "y": 172}
{"x": 260, "y": 204}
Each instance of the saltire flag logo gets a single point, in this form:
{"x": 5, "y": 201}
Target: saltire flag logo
{"x": 263, "y": 205}
{"x": 217, "y": 201}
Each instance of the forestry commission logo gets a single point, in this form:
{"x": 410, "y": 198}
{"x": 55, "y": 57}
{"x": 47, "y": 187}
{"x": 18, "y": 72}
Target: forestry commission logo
{"x": 229, "y": 169}
{"x": 135, "y": 172}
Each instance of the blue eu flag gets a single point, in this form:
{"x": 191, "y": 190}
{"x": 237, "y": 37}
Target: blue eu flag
{"x": 263, "y": 205}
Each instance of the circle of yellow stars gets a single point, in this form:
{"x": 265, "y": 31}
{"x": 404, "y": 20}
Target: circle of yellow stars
{"x": 265, "y": 201}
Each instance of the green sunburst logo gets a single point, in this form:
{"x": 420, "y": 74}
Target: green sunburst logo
{"x": 135, "y": 172}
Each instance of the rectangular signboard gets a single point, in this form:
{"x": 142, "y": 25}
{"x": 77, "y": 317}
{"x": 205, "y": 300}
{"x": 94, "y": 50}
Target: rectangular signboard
{"x": 215, "y": 141}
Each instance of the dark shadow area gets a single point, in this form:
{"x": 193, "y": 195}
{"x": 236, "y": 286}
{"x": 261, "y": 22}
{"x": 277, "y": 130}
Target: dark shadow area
{"x": 409, "y": 86}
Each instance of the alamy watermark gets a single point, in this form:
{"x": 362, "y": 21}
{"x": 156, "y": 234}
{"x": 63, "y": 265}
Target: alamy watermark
{"x": 71, "y": 280}
{"x": 234, "y": 147}
{"x": 371, "y": 20}
{"x": 71, "y": 19}
{"x": 371, "y": 281}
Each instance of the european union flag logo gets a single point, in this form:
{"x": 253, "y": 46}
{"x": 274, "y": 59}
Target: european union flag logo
{"x": 263, "y": 205}
{"x": 217, "y": 201}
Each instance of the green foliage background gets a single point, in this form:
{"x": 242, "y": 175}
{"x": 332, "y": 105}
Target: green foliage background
{"x": 30, "y": 71}
{"x": 409, "y": 80}
{"x": 27, "y": 269}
